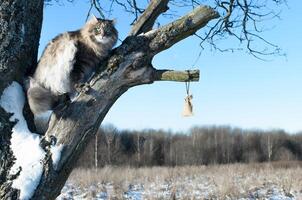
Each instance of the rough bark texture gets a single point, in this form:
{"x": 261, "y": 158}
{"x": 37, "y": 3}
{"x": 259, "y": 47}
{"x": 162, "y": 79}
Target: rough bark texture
{"x": 180, "y": 76}
{"x": 19, "y": 40}
{"x": 20, "y": 22}
{"x": 6, "y": 157}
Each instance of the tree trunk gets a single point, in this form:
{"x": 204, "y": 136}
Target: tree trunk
{"x": 129, "y": 65}
{"x": 19, "y": 40}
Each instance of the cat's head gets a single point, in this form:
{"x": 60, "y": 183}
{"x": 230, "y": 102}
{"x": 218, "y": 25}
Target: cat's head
{"x": 101, "y": 31}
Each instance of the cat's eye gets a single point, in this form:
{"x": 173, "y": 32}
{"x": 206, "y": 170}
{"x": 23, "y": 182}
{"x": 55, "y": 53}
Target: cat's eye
{"x": 97, "y": 29}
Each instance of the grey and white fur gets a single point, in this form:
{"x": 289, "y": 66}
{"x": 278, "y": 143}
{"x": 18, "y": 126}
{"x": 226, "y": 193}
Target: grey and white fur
{"x": 67, "y": 61}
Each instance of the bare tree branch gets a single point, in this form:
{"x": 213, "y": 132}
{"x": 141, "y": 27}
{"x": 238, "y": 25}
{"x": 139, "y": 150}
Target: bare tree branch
{"x": 241, "y": 19}
{"x": 172, "y": 33}
{"x": 179, "y": 76}
{"x": 146, "y": 21}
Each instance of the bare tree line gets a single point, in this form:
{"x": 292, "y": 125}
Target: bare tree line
{"x": 199, "y": 146}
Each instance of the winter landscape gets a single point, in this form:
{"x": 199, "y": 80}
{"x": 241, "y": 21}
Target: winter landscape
{"x": 151, "y": 99}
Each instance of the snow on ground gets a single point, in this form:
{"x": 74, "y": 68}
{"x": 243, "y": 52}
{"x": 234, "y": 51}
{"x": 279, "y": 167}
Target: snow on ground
{"x": 217, "y": 183}
{"x": 165, "y": 191}
{"x": 24, "y": 144}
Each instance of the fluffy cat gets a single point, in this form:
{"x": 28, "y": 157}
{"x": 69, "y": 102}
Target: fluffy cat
{"x": 68, "y": 60}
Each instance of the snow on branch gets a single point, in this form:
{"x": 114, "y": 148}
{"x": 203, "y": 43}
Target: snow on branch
{"x": 26, "y": 146}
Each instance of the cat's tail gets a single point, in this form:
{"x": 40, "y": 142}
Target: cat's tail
{"x": 41, "y": 102}
{"x": 40, "y": 99}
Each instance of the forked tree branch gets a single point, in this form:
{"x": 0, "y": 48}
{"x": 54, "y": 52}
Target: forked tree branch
{"x": 129, "y": 65}
{"x": 146, "y": 21}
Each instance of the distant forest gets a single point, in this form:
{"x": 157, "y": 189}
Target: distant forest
{"x": 198, "y": 146}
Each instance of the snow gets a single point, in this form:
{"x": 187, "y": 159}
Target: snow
{"x": 56, "y": 154}
{"x": 164, "y": 191}
{"x": 24, "y": 144}
{"x": 135, "y": 192}
{"x": 138, "y": 192}
{"x": 198, "y": 182}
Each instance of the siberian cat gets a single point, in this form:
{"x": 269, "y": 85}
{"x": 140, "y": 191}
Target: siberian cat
{"x": 68, "y": 60}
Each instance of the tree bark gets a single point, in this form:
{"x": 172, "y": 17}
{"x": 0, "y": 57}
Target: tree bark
{"x": 180, "y": 76}
{"x": 19, "y": 40}
{"x": 6, "y": 157}
{"x": 129, "y": 65}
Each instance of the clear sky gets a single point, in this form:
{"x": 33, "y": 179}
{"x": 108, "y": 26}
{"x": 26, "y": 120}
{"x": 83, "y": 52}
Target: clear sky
{"x": 235, "y": 89}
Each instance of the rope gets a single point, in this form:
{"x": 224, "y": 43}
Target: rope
{"x": 187, "y": 87}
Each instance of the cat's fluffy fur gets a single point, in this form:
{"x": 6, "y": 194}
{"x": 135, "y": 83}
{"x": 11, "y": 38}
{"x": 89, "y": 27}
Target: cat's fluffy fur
{"x": 68, "y": 60}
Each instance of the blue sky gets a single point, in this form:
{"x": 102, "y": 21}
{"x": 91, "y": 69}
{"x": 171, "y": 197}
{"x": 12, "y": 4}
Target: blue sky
{"x": 235, "y": 89}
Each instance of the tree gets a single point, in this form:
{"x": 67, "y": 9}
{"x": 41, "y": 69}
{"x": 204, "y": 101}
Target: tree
{"x": 128, "y": 65}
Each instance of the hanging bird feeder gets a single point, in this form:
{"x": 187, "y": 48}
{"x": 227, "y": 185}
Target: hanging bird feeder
{"x": 188, "y": 106}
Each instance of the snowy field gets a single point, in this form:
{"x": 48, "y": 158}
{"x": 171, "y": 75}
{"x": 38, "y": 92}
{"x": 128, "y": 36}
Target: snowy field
{"x": 244, "y": 182}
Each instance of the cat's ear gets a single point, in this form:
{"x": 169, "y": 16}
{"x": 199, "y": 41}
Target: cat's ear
{"x": 92, "y": 20}
{"x": 113, "y": 21}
